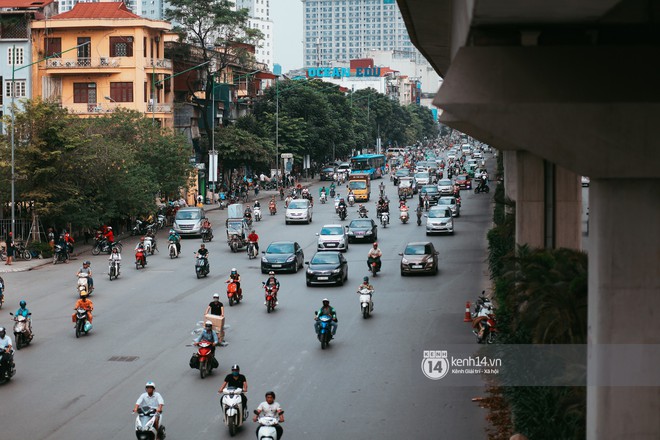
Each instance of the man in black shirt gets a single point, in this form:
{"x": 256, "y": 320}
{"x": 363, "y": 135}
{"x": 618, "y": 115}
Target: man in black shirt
{"x": 236, "y": 380}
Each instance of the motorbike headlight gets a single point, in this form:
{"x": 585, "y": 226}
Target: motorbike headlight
{"x": 264, "y": 260}
{"x": 404, "y": 260}
{"x": 291, "y": 258}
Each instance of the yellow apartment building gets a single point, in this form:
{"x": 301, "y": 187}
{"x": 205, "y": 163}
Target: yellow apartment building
{"x": 101, "y": 56}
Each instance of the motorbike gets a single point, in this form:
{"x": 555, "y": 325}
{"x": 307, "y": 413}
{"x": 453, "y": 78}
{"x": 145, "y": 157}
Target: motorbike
{"x": 272, "y": 207}
{"x": 232, "y": 409}
{"x": 257, "y": 213}
{"x": 419, "y": 217}
{"x": 201, "y": 266}
{"x": 104, "y": 246}
{"x": 481, "y": 189}
{"x": 485, "y": 326}
{"x": 22, "y": 333}
{"x": 427, "y": 204}
{"x": 144, "y": 424}
{"x": 7, "y": 369}
{"x": 252, "y": 250}
{"x": 140, "y": 258}
{"x": 160, "y": 222}
{"x": 342, "y": 212}
{"x": 384, "y": 219}
{"x": 61, "y": 254}
{"x": 82, "y": 325}
{"x": 325, "y": 333}
{"x": 270, "y": 297}
{"x": 83, "y": 284}
{"x": 403, "y": 216}
{"x": 234, "y": 293}
{"x": 22, "y": 252}
{"x": 235, "y": 242}
{"x": 207, "y": 234}
{"x": 2, "y": 293}
{"x": 266, "y": 430}
{"x": 332, "y": 192}
{"x": 172, "y": 249}
{"x": 366, "y": 304}
{"x": 351, "y": 200}
{"x": 113, "y": 269}
{"x": 323, "y": 198}
{"x": 149, "y": 245}
{"x": 374, "y": 265}
{"x": 481, "y": 303}
{"x": 363, "y": 213}
{"x": 204, "y": 360}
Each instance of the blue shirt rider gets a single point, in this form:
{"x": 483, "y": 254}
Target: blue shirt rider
{"x": 22, "y": 310}
{"x": 176, "y": 238}
{"x": 208, "y": 335}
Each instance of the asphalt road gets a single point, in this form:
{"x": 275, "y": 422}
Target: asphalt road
{"x": 367, "y": 385}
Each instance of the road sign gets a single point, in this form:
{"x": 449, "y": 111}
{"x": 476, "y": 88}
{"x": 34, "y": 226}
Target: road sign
{"x": 287, "y": 156}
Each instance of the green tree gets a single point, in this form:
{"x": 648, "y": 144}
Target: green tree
{"x": 237, "y": 147}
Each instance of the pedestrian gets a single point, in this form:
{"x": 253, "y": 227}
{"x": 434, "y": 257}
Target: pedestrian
{"x": 11, "y": 248}
{"x": 51, "y": 239}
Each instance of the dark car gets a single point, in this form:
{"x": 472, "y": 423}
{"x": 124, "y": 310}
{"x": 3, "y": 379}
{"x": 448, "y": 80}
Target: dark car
{"x": 282, "y": 256}
{"x": 327, "y": 268}
{"x": 327, "y": 173}
{"x": 362, "y": 229}
{"x": 433, "y": 193}
{"x": 419, "y": 257}
{"x": 463, "y": 181}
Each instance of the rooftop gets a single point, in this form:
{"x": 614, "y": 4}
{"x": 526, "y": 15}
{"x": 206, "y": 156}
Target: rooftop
{"x": 97, "y": 10}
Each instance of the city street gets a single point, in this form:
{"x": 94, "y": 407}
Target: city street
{"x": 367, "y": 385}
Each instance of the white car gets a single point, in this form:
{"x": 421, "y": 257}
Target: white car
{"x": 439, "y": 220}
{"x": 477, "y": 155}
{"x": 332, "y": 238}
{"x": 423, "y": 178}
{"x": 450, "y": 202}
{"x": 446, "y": 187}
{"x": 299, "y": 210}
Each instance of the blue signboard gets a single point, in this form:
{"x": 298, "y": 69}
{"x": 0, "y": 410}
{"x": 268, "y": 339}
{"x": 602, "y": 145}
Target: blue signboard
{"x": 342, "y": 72}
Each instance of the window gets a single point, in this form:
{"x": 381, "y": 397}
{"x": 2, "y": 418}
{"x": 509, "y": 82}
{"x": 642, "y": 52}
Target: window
{"x": 121, "y": 91}
{"x": 121, "y": 46}
{"x": 53, "y": 47}
{"x": 82, "y": 92}
{"x": 15, "y": 56}
{"x": 19, "y": 88}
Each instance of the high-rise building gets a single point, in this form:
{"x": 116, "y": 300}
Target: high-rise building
{"x": 342, "y": 30}
{"x": 67, "y": 5}
{"x": 260, "y": 19}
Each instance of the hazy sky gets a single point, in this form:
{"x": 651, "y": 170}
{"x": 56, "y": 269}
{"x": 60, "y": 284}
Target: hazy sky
{"x": 288, "y": 35}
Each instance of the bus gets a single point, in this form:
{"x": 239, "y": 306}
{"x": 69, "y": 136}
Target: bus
{"x": 371, "y": 164}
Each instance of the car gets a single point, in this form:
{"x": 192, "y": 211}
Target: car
{"x": 344, "y": 167}
{"x": 433, "y": 193}
{"x": 438, "y": 220}
{"x": 450, "y": 202}
{"x": 327, "y": 173}
{"x": 585, "y": 181}
{"x": 299, "y": 210}
{"x": 419, "y": 257}
{"x": 423, "y": 178}
{"x": 281, "y": 256}
{"x": 402, "y": 172}
{"x": 188, "y": 221}
{"x": 332, "y": 238}
{"x": 478, "y": 155}
{"x": 327, "y": 268}
{"x": 451, "y": 157}
{"x": 362, "y": 229}
{"x": 463, "y": 181}
{"x": 446, "y": 187}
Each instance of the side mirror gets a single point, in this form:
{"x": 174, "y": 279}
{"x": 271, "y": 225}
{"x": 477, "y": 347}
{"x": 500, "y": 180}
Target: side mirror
{"x": 11, "y": 313}
{"x": 263, "y": 252}
{"x": 317, "y": 234}
{"x": 401, "y": 254}
{"x": 306, "y": 262}
{"x": 316, "y": 313}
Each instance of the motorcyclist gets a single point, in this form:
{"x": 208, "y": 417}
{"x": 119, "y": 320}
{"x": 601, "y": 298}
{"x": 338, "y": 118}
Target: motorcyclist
{"x": 374, "y": 255}
{"x": 140, "y": 247}
{"x": 151, "y": 399}
{"x": 6, "y": 350}
{"x": 235, "y": 277}
{"x": 85, "y": 269}
{"x": 342, "y": 204}
{"x": 84, "y": 303}
{"x": 109, "y": 235}
{"x": 419, "y": 210}
{"x": 247, "y": 215}
{"x": 115, "y": 256}
{"x": 270, "y": 408}
{"x": 176, "y": 238}
{"x": 24, "y": 312}
{"x": 273, "y": 282}
{"x": 254, "y": 238}
{"x": 202, "y": 252}
{"x": 322, "y": 190}
{"x": 381, "y": 187}
{"x": 363, "y": 210}
{"x": 287, "y": 201}
{"x": 329, "y": 311}
{"x": 68, "y": 239}
{"x": 365, "y": 285}
{"x": 256, "y": 204}
{"x": 208, "y": 335}
{"x": 206, "y": 224}
{"x": 272, "y": 205}
{"x": 152, "y": 235}
{"x": 236, "y": 380}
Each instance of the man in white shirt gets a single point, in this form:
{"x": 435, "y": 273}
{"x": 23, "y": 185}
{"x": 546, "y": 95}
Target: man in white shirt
{"x": 6, "y": 350}
{"x": 152, "y": 399}
{"x": 270, "y": 408}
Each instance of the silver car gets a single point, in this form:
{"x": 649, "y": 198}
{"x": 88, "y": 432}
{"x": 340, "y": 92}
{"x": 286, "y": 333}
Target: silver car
{"x": 423, "y": 178}
{"x": 439, "y": 220}
{"x": 450, "y": 202}
{"x": 299, "y": 210}
{"x": 332, "y": 238}
{"x": 188, "y": 221}
{"x": 446, "y": 187}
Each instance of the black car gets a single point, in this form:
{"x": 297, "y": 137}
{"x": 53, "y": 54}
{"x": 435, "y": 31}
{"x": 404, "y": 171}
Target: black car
{"x": 282, "y": 256}
{"x": 362, "y": 229}
{"x": 327, "y": 267}
{"x": 433, "y": 193}
{"x": 327, "y": 173}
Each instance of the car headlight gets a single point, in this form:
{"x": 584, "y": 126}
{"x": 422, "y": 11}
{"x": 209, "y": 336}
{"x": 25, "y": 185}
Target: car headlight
{"x": 291, "y": 258}
{"x": 351, "y": 233}
{"x": 404, "y": 261}
{"x": 310, "y": 272}
{"x": 368, "y": 233}
{"x": 336, "y": 271}
{"x": 264, "y": 260}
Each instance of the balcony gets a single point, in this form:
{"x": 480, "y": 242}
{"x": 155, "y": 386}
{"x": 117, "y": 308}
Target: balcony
{"x": 160, "y": 108}
{"x": 96, "y": 108}
{"x": 159, "y": 63}
{"x": 84, "y": 63}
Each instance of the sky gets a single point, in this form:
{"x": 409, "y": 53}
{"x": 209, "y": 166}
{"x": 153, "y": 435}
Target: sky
{"x": 288, "y": 33}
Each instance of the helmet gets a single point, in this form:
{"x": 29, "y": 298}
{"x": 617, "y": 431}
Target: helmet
{"x": 326, "y": 300}
{"x": 22, "y": 303}
{"x": 235, "y": 367}
{"x": 215, "y": 295}
{"x": 375, "y": 244}
{"x": 202, "y": 246}
{"x": 109, "y": 228}
{"x": 171, "y": 231}
{"x": 341, "y": 200}
{"x": 208, "y": 324}
{"x": 2, "y": 331}
{"x": 254, "y": 232}
{"x": 271, "y": 273}
{"x": 365, "y": 279}
{"x": 233, "y": 270}
{"x": 141, "y": 238}
{"x": 150, "y": 384}
{"x": 87, "y": 262}
{"x": 360, "y": 205}
{"x": 83, "y": 294}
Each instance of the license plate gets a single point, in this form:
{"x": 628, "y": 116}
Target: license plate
{"x": 277, "y": 265}
{"x": 332, "y": 245}
{"x": 416, "y": 266}
{"x": 322, "y": 278}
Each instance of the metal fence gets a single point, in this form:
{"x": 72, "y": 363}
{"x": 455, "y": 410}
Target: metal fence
{"x": 21, "y": 229}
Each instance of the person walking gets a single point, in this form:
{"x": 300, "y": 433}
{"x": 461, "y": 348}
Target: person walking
{"x": 11, "y": 249}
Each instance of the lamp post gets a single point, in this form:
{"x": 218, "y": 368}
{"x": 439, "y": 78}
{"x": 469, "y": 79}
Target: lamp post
{"x": 277, "y": 131}
{"x": 13, "y": 121}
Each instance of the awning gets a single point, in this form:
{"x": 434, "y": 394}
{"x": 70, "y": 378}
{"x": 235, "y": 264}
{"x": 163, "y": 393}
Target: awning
{"x": 265, "y": 75}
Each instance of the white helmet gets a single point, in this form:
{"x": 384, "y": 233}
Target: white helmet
{"x": 208, "y": 324}
{"x": 150, "y": 384}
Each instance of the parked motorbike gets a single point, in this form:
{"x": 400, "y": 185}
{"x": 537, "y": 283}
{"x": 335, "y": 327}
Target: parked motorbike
{"x": 82, "y": 325}
{"x": 141, "y": 227}
{"x": 203, "y": 359}
{"x": 252, "y": 250}
{"x": 61, "y": 254}
{"x": 113, "y": 269}
{"x": 2, "y": 292}
{"x": 403, "y": 216}
{"x": 144, "y": 424}
{"x": 342, "y": 212}
{"x": 257, "y": 213}
{"x": 234, "y": 293}
{"x": 232, "y": 409}
{"x": 366, "y": 303}
{"x": 325, "y": 330}
{"x": 270, "y": 297}
{"x": 201, "y": 266}
{"x": 140, "y": 258}
{"x": 83, "y": 284}
{"x": 207, "y": 234}
{"x": 172, "y": 249}
{"x": 485, "y": 326}
{"x": 22, "y": 251}
{"x": 103, "y": 245}
{"x": 22, "y": 333}
{"x": 266, "y": 430}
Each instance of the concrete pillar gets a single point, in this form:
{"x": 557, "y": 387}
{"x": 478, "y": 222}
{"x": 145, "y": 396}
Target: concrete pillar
{"x": 624, "y": 257}
{"x": 529, "y": 199}
{"x": 510, "y": 174}
{"x": 568, "y": 209}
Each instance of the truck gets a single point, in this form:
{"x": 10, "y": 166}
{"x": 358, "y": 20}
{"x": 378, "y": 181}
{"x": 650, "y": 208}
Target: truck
{"x": 360, "y": 184}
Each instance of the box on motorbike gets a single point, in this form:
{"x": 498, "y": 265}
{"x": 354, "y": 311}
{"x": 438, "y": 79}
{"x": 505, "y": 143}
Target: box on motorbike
{"x": 218, "y": 323}
{"x": 235, "y": 211}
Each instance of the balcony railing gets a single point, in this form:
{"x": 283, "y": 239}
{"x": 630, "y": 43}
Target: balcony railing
{"x": 109, "y": 107}
{"x": 159, "y": 63}
{"x": 85, "y": 63}
{"x": 160, "y": 108}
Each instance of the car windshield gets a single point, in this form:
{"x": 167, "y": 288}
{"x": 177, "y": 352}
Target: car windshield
{"x": 357, "y": 184}
{"x": 446, "y": 201}
{"x": 234, "y": 227}
{"x": 333, "y": 230}
{"x": 439, "y": 213}
{"x": 462, "y": 177}
{"x": 445, "y": 182}
{"x": 328, "y": 170}
{"x": 188, "y": 215}
{"x": 422, "y": 176}
{"x": 325, "y": 258}
{"x": 416, "y": 249}
{"x": 280, "y": 248}
{"x": 401, "y": 173}
{"x": 430, "y": 189}
{"x": 360, "y": 224}
{"x": 298, "y": 204}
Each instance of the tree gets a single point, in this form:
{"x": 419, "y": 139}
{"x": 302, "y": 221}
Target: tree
{"x": 237, "y": 147}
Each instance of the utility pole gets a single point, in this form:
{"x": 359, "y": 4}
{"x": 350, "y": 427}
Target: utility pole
{"x": 277, "y": 130}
